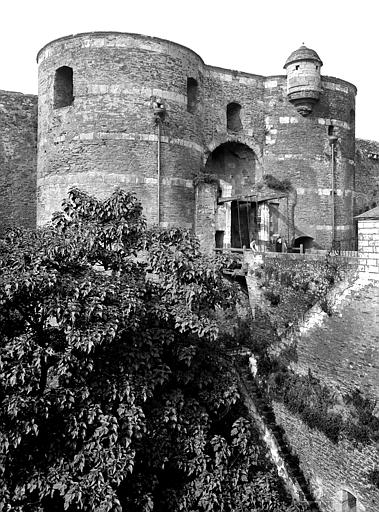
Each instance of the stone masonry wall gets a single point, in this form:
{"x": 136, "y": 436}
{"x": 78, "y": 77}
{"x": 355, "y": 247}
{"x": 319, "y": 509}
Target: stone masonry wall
{"x": 331, "y": 468}
{"x": 342, "y": 351}
{"x": 205, "y": 204}
{"x": 290, "y": 146}
{"x": 18, "y": 155}
{"x": 223, "y": 86}
{"x": 297, "y": 148}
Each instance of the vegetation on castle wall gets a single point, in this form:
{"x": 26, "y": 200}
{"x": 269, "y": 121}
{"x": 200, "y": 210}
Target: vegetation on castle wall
{"x": 275, "y": 183}
{"x": 284, "y": 186}
{"x": 316, "y": 404}
{"x": 292, "y": 287}
{"x": 363, "y": 425}
{"x": 350, "y": 416}
{"x": 203, "y": 176}
{"x": 306, "y": 397}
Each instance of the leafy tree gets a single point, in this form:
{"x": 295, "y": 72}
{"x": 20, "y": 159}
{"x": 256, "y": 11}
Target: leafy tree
{"x": 117, "y": 392}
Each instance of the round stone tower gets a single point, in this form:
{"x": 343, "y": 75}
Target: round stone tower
{"x": 303, "y": 79}
{"x": 121, "y": 110}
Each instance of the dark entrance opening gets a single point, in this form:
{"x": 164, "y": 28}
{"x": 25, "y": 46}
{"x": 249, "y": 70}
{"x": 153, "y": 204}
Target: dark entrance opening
{"x": 243, "y": 223}
{"x": 234, "y": 163}
{"x": 305, "y": 241}
{"x": 274, "y": 218}
{"x": 219, "y": 239}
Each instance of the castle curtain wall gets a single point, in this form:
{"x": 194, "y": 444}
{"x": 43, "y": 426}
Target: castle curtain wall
{"x": 18, "y": 155}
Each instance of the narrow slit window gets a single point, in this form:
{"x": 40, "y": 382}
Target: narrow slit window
{"x": 352, "y": 117}
{"x": 192, "y": 95}
{"x": 63, "y": 87}
{"x": 233, "y": 118}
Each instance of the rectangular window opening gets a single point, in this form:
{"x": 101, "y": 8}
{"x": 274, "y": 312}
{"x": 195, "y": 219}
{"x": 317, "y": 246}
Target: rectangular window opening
{"x": 63, "y": 87}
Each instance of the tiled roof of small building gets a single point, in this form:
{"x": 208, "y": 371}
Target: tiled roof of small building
{"x": 302, "y": 53}
{"x": 370, "y": 214}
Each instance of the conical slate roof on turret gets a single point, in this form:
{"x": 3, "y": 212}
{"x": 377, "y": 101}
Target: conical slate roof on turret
{"x": 302, "y": 53}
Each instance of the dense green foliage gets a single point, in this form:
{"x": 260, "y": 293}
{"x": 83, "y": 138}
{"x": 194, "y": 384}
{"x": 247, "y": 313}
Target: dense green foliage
{"x": 117, "y": 392}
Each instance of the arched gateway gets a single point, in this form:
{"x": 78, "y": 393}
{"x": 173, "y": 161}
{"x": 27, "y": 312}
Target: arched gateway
{"x": 233, "y": 165}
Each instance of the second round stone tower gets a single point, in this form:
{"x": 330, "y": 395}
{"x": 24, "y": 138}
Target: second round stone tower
{"x": 120, "y": 110}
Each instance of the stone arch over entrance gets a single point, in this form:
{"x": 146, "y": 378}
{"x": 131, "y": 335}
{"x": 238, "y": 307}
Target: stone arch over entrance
{"x": 240, "y": 138}
{"x": 234, "y": 165}
{"x": 305, "y": 241}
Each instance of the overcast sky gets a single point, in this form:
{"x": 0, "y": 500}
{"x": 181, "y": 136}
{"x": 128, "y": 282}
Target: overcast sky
{"x": 247, "y": 35}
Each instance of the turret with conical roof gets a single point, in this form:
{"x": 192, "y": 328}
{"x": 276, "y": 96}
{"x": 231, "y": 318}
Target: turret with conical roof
{"x": 303, "y": 79}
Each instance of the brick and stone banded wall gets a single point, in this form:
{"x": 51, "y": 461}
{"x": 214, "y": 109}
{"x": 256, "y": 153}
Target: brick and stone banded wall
{"x": 134, "y": 168}
{"x": 110, "y": 127}
{"x": 331, "y": 468}
{"x": 297, "y": 148}
{"x": 222, "y": 87}
{"x": 18, "y": 159}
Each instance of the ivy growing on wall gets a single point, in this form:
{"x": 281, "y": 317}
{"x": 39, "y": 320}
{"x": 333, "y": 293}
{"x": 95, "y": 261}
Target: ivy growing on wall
{"x": 274, "y": 183}
{"x": 202, "y": 176}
